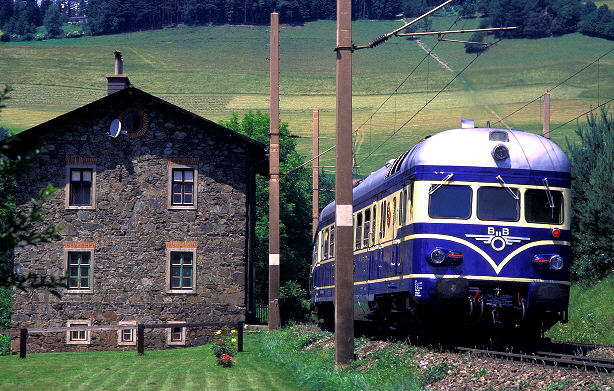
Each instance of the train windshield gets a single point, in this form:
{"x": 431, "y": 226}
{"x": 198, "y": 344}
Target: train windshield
{"x": 543, "y": 206}
{"x": 498, "y": 204}
{"x": 450, "y": 202}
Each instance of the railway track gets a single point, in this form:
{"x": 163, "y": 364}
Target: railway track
{"x": 556, "y": 356}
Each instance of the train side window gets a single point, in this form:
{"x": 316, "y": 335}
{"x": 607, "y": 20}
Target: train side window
{"x": 540, "y": 208}
{"x": 382, "y": 231}
{"x": 367, "y": 228}
{"x": 332, "y": 241}
{"x": 325, "y": 244}
{"x": 410, "y": 205}
{"x": 450, "y": 202}
{"x": 373, "y": 225}
{"x": 402, "y": 207}
{"x": 394, "y": 211}
{"x": 496, "y": 203}
{"x": 358, "y": 232}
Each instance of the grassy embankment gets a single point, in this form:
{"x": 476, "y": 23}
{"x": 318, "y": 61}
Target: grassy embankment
{"x": 273, "y": 361}
{"x": 214, "y": 71}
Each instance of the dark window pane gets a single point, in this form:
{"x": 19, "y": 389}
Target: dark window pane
{"x": 183, "y": 187}
{"x": 496, "y": 203}
{"x": 450, "y": 202}
{"x": 81, "y": 186}
{"x": 538, "y": 208}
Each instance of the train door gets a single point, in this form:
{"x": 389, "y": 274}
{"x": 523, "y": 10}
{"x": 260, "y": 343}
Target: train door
{"x": 406, "y": 229}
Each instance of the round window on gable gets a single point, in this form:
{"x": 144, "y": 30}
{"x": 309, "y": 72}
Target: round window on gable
{"x": 135, "y": 122}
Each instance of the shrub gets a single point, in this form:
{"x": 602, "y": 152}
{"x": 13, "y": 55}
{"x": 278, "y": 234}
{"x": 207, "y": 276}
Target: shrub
{"x": 74, "y": 34}
{"x": 296, "y": 307}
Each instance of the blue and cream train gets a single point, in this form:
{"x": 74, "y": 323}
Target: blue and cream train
{"x": 470, "y": 226}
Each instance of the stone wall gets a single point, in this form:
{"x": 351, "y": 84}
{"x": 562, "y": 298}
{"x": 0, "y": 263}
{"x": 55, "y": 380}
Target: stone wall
{"x": 131, "y": 226}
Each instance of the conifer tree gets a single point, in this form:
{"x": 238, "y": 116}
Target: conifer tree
{"x": 592, "y": 169}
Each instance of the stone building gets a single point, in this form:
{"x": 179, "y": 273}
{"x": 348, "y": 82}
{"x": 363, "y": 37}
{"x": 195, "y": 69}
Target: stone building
{"x": 157, "y": 210}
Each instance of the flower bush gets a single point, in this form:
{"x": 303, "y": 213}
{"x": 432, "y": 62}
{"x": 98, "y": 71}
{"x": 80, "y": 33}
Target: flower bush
{"x": 224, "y": 347}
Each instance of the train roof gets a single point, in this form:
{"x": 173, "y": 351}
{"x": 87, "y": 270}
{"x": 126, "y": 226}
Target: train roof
{"x": 471, "y": 147}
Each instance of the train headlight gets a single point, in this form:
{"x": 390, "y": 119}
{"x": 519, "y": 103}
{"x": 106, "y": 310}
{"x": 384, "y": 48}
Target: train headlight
{"x": 443, "y": 257}
{"x": 552, "y": 261}
{"x": 438, "y": 256}
{"x": 556, "y": 262}
{"x": 500, "y": 152}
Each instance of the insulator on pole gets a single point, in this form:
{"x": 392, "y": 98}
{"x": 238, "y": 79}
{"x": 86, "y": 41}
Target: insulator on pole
{"x": 379, "y": 40}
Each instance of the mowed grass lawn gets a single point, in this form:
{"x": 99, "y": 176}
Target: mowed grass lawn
{"x": 158, "y": 370}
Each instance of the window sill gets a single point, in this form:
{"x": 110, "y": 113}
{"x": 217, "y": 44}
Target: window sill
{"x": 78, "y": 291}
{"x": 181, "y": 291}
{"x": 80, "y": 207}
{"x": 182, "y": 207}
{"x": 78, "y": 342}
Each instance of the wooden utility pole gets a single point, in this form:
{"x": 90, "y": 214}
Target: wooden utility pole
{"x": 315, "y": 194}
{"x": 274, "y": 274}
{"x": 546, "y": 130}
{"x": 344, "y": 236}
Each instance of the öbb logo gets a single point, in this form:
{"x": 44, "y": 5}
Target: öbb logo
{"x": 498, "y": 240}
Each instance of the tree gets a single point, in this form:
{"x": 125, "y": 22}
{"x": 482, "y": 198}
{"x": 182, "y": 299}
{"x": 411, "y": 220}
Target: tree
{"x": 295, "y": 207}
{"x": 567, "y": 16}
{"x": 53, "y": 20}
{"x": 592, "y": 171}
{"x": 17, "y": 228}
{"x": 476, "y": 47}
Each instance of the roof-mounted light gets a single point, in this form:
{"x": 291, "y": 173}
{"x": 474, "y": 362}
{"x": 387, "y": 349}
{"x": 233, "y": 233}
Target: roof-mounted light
{"x": 500, "y": 152}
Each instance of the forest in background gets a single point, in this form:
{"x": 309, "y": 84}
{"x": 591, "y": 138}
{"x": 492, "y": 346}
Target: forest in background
{"x": 22, "y": 19}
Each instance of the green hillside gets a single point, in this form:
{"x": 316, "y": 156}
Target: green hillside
{"x": 214, "y": 71}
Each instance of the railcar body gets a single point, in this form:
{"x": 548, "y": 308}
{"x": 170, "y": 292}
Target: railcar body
{"x": 471, "y": 226}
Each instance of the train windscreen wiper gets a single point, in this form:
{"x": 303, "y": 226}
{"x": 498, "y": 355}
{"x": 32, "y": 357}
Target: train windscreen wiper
{"x": 549, "y": 195}
{"x": 509, "y": 190}
{"x": 444, "y": 182}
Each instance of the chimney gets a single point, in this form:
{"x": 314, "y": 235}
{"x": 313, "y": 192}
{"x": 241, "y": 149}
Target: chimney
{"x": 117, "y": 81}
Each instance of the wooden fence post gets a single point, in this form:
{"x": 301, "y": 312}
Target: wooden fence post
{"x": 23, "y": 342}
{"x": 140, "y": 338}
{"x": 240, "y": 336}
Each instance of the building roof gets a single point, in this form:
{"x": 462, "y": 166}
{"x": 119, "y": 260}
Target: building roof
{"x": 258, "y": 150}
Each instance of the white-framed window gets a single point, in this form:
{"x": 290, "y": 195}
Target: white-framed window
{"x": 181, "y": 267}
{"x": 80, "y": 183}
{"x": 79, "y": 261}
{"x": 127, "y": 336}
{"x": 176, "y": 335}
{"x": 78, "y": 337}
{"x": 183, "y": 183}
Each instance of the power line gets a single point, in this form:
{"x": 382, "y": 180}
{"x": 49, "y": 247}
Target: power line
{"x": 555, "y": 87}
{"x": 583, "y": 114}
{"x": 421, "y": 109}
{"x": 382, "y": 39}
{"x": 456, "y": 76}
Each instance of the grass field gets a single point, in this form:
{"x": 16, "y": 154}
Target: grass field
{"x": 176, "y": 369}
{"x": 214, "y": 71}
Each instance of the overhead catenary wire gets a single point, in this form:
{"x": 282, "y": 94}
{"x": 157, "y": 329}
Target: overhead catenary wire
{"x": 429, "y": 101}
{"x": 380, "y": 40}
{"x": 419, "y": 110}
{"x": 556, "y": 86}
{"x": 583, "y": 114}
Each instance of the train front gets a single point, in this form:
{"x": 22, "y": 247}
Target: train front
{"x": 490, "y": 237}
